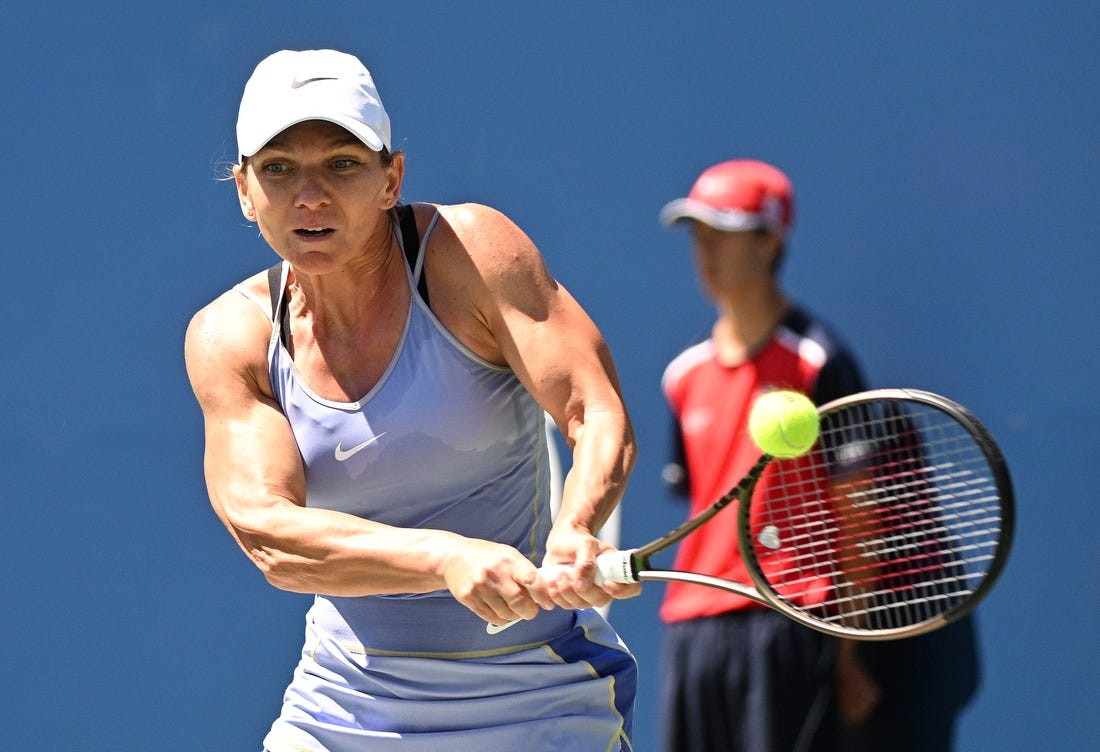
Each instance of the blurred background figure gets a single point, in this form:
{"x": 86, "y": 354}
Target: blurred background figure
{"x": 739, "y": 676}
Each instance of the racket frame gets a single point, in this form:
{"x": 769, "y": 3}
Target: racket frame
{"x": 634, "y": 565}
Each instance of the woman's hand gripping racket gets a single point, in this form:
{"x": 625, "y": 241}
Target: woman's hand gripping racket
{"x": 897, "y": 520}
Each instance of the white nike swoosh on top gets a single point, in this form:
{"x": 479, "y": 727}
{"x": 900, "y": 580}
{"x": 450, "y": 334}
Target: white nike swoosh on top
{"x": 345, "y": 454}
{"x": 298, "y": 83}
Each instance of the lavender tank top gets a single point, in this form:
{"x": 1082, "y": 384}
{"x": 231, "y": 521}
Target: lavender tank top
{"x": 445, "y": 440}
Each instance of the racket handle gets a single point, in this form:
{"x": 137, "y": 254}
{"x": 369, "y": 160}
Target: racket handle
{"x": 612, "y": 566}
{"x": 615, "y": 566}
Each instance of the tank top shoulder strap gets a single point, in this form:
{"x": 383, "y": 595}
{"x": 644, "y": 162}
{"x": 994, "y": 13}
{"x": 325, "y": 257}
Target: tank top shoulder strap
{"x": 410, "y": 240}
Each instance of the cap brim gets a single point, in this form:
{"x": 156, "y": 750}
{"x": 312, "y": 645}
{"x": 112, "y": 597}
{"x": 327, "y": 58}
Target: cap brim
{"x": 367, "y": 135}
{"x": 728, "y": 220}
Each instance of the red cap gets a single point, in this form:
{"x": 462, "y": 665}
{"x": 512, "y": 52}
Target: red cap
{"x": 741, "y": 194}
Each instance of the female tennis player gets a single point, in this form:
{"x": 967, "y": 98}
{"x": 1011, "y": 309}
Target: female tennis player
{"x": 374, "y": 435}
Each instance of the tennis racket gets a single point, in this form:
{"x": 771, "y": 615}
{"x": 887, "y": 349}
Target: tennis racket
{"x": 897, "y": 522}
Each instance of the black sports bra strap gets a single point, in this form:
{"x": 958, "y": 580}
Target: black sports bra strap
{"x": 411, "y": 238}
{"x": 274, "y": 277}
{"x": 278, "y": 301}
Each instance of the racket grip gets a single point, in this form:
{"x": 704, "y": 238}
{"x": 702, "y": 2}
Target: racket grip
{"x": 615, "y": 566}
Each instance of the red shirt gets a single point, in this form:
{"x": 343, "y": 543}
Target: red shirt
{"x": 711, "y": 404}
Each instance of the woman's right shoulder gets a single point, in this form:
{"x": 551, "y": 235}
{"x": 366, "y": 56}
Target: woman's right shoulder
{"x": 251, "y": 293}
{"x": 234, "y": 327}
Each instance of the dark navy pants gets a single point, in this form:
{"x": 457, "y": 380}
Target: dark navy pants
{"x": 751, "y": 681}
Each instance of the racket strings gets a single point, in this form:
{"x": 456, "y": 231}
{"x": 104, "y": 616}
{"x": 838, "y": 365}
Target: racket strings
{"x": 891, "y": 520}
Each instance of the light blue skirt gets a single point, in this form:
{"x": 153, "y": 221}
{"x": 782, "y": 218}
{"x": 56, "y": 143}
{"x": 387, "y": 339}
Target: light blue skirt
{"x": 562, "y": 682}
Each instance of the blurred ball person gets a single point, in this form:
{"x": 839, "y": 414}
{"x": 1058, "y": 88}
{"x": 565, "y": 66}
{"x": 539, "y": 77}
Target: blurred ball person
{"x": 737, "y": 675}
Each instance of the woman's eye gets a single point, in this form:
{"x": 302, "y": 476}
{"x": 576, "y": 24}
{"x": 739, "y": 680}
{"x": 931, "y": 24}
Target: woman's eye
{"x": 343, "y": 164}
{"x": 275, "y": 168}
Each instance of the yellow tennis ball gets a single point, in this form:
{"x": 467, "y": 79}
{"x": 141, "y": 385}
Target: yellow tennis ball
{"x": 784, "y": 423}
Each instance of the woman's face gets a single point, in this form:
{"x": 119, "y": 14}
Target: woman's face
{"x": 319, "y": 195}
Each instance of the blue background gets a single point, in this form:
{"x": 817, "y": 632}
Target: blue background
{"x": 946, "y": 161}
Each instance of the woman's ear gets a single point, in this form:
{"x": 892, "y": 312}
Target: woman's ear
{"x": 395, "y": 173}
{"x": 247, "y": 209}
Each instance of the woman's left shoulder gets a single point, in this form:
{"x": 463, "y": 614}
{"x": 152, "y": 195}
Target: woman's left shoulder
{"x": 467, "y": 211}
{"x": 483, "y": 241}
{"x": 469, "y": 218}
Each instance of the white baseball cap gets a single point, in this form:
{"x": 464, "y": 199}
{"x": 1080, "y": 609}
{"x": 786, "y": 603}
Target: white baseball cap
{"x": 290, "y": 87}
